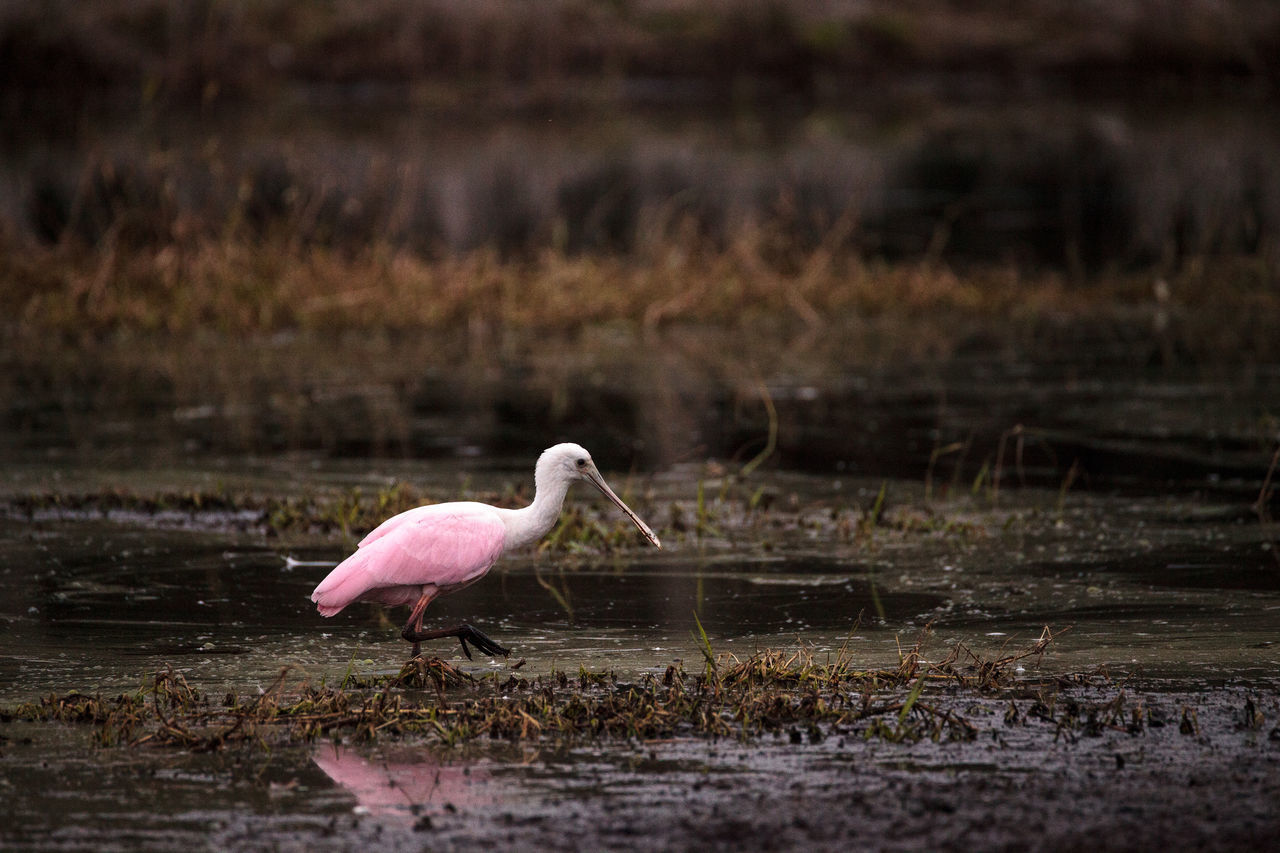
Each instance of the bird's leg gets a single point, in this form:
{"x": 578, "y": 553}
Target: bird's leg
{"x": 414, "y": 625}
{"x": 466, "y": 633}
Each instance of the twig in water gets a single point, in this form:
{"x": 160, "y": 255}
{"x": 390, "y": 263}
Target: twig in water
{"x": 771, "y": 444}
{"x": 705, "y": 646}
{"x": 1262, "y": 506}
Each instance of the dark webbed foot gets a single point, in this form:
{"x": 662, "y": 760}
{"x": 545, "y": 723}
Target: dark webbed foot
{"x": 466, "y": 633}
{"x": 481, "y": 641}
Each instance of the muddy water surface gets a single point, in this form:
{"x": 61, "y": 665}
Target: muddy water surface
{"x": 1151, "y": 588}
{"x": 1177, "y": 598}
{"x": 1152, "y": 554}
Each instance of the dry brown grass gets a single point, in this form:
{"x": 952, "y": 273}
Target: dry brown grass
{"x": 243, "y": 287}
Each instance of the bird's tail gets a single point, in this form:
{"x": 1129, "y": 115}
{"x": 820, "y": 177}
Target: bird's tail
{"x": 341, "y": 586}
{"x": 327, "y": 609}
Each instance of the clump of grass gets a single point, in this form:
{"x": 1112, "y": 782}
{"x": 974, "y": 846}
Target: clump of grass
{"x": 421, "y": 672}
{"x": 972, "y": 670}
{"x": 769, "y": 692}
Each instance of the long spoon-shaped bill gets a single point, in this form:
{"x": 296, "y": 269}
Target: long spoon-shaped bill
{"x": 593, "y": 476}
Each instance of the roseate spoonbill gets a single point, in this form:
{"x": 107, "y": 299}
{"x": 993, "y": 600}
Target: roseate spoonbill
{"x": 433, "y": 550}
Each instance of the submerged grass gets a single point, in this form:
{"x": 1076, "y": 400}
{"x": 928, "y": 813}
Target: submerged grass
{"x": 346, "y": 514}
{"x": 737, "y": 513}
{"x": 770, "y": 692}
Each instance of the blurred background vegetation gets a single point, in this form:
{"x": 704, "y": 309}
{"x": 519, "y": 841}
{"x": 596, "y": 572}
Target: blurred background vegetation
{"x": 412, "y": 163}
{"x": 63, "y": 55}
{"x": 606, "y": 172}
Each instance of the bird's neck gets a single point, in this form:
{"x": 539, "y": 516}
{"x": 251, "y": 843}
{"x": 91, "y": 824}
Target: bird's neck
{"x": 528, "y": 525}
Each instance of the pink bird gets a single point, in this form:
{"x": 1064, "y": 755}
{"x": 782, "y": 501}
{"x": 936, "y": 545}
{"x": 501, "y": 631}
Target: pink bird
{"x": 413, "y": 557}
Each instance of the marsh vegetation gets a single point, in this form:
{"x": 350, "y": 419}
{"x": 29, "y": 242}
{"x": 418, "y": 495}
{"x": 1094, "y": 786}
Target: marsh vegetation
{"x": 912, "y": 328}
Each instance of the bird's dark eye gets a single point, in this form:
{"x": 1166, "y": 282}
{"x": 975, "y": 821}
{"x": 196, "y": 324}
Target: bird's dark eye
{"x": 582, "y": 463}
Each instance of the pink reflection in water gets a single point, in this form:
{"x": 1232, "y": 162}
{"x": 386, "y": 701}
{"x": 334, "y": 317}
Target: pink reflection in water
{"x": 407, "y": 785}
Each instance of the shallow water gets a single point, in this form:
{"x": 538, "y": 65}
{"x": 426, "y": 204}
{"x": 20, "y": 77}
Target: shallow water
{"x": 1178, "y": 601}
{"x": 1165, "y": 788}
{"x": 1150, "y": 587}
{"x": 1151, "y": 565}
{"x": 1138, "y": 403}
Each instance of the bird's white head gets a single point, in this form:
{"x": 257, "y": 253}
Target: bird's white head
{"x": 567, "y": 462}
{"x": 564, "y": 463}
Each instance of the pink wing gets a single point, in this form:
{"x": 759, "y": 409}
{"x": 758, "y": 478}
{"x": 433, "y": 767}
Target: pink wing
{"x": 395, "y": 521}
{"x": 446, "y": 546}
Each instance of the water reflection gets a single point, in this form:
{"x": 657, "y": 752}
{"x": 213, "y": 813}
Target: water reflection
{"x": 409, "y": 784}
{"x": 1031, "y": 410}
{"x": 103, "y": 605}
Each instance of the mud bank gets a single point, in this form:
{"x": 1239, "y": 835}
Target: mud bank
{"x": 1106, "y": 767}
